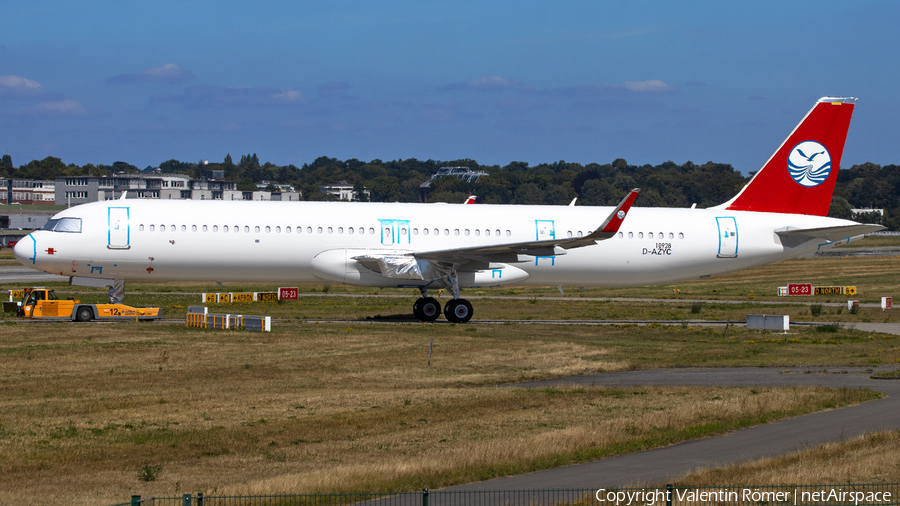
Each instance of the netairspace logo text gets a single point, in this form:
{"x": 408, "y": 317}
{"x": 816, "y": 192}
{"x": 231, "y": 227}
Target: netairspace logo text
{"x": 653, "y": 497}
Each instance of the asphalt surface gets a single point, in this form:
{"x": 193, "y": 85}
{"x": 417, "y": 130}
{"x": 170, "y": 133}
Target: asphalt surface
{"x": 666, "y": 465}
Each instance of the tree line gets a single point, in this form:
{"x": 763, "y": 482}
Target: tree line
{"x": 665, "y": 185}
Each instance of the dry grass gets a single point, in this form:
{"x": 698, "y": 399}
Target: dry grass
{"x": 331, "y": 407}
{"x": 872, "y": 458}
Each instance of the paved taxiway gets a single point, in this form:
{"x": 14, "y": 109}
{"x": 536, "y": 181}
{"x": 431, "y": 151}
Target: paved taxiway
{"x": 665, "y": 465}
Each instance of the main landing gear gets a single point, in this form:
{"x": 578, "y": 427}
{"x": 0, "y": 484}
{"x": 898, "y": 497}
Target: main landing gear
{"x": 456, "y": 310}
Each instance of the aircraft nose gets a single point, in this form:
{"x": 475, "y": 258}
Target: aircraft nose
{"x": 23, "y": 249}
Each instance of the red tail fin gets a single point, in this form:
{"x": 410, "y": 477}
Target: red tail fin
{"x": 799, "y": 178}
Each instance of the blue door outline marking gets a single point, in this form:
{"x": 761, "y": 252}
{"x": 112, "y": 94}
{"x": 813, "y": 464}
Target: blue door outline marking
{"x": 728, "y": 236}
{"x": 115, "y": 228}
{"x": 394, "y": 227}
{"x": 545, "y": 228}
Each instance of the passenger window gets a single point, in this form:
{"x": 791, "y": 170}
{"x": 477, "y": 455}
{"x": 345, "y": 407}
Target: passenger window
{"x": 631, "y": 235}
{"x": 671, "y": 235}
{"x": 277, "y": 230}
{"x": 141, "y": 227}
{"x": 215, "y": 228}
{"x": 477, "y": 232}
{"x": 681, "y": 235}
{"x": 204, "y": 228}
{"x": 288, "y": 230}
{"x": 152, "y": 228}
{"x": 350, "y": 230}
{"x": 371, "y": 230}
{"x": 650, "y": 235}
{"x": 340, "y": 230}
{"x": 424, "y": 231}
{"x": 569, "y": 233}
{"x": 193, "y": 228}
{"x": 246, "y": 229}
{"x": 640, "y": 235}
{"x": 621, "y": 235}
{"x": 268, "y": 229}
{"x": 225, "y": 228}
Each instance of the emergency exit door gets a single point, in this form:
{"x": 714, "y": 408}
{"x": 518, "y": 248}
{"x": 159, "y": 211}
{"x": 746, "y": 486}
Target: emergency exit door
{"x": 119, "y": 235}
{"x": 728, "y": 237}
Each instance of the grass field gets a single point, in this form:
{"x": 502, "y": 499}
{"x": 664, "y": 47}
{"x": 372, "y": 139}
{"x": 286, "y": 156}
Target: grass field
{"x": 874, "y": 277}
{"x": 872, "y": 458}
{"x": 89, "y": 411}
{"x": 91, "y": 414}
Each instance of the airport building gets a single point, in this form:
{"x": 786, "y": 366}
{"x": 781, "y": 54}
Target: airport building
{"x": 165, "y": 186}
{"x": 27, "y": 191}
{"x": 343, "y": 191}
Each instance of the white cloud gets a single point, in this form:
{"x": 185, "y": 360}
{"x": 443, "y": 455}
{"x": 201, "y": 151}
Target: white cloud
{"x": 19, "y": 85}
{"x": 222, "y": 96}
{"x": 168, "y": 73}
{"x": 63, "y": 107}
{"x": 288, "y": 96}
{"x": 651, "y": 86}
{"x": 488, "y": 83}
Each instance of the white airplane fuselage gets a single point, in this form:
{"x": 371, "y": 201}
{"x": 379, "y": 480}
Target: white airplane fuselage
{"x": 303, "y": 242}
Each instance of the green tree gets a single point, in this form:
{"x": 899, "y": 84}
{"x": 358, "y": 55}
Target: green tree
{"x": 246, "y": 185}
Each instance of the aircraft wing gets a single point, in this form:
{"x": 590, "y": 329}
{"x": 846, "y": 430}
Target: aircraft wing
{"x": 828, "y": 233}
{"x": 437, "y": 264}
{"x": 509, "y": 252}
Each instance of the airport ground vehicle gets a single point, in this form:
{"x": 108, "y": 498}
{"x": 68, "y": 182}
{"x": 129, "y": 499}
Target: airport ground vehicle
{"x": 43, "y": 303}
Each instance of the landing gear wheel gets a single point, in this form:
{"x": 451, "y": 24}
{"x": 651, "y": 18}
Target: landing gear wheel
{"x": 84, "y": 314}
{"x": 427, "y": 309}
{"x": 458, "y": 311}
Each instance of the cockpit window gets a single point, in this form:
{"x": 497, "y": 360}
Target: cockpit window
{"x": 70, "y": 225}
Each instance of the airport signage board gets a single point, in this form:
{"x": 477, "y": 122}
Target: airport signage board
{"x": 829, "y": 290}
{"x": 288, "y": 293}
{"x": 887, "y": 303}
{"x": 266, "y": 296}
{"x": 799, "y": 289}
{"x": 242, "y": 297}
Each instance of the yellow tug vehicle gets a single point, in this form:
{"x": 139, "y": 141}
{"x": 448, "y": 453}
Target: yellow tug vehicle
{"x": 42, "y": 303}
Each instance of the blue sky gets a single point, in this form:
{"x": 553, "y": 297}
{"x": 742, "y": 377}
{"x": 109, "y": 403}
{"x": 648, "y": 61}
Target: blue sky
{"x": 500, "y": 81}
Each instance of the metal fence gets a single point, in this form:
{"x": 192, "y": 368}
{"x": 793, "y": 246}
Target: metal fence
{"x": 850, "y": 494}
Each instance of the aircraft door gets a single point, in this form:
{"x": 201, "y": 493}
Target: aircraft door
{"x": 728, "y": 237}
{"x": 119, "y": 229}
{"x": 545, "y": 230}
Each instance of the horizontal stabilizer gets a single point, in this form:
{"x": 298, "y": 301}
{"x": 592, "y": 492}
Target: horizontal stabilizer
{"x": 829, "y": 233}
